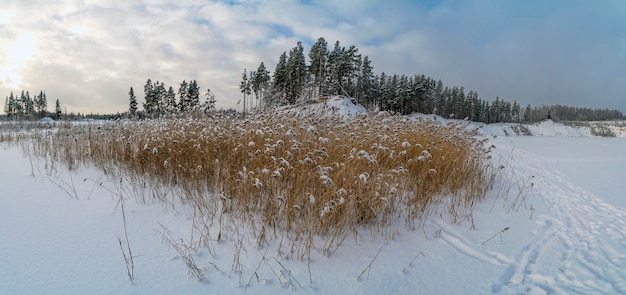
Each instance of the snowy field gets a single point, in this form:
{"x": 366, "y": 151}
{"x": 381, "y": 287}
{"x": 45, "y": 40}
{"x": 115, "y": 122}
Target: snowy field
{"x": 555, "y": 223}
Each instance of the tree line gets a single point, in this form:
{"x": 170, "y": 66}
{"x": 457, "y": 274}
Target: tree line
{"x": 340, "y": 71}
{"x": 160, "y": 101}
{"x": 25, "y": 107}
{"x": 344, "y": 71}
{"x": 568, "y": 113}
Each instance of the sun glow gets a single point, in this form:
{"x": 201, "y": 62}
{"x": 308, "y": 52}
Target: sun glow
{"x": 16, "y": 55}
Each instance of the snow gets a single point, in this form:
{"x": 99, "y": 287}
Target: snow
{"x": 339, "y": 106}
{"x": 551, "y": 128}
{"x": 554, "y": 223}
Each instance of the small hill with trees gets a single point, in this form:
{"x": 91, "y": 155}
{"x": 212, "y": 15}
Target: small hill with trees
{"x": 344, "y": 71}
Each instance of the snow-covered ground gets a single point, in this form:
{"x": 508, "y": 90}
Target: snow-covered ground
{"x": 555, "y": 223}
{"x": 578, "y": 241}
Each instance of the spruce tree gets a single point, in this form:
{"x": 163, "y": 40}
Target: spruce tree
{"x": 279, "y": 81}
{"x": 149, "y": 106}
{"x": 12, "y": 106}
{"x": 296, "y": 73}
{"x": 183, "y": 96}
{"x": 160, "y": 95}
{"x": 132, "y": 106}
{"x": 170, "y": 101}
{"x": 57, "y": 110}
{"x": 41, "y": 104}
{"x": 29, "y": 106}
{"x": 319, "y": 57}
{"x": 193, "y": 94}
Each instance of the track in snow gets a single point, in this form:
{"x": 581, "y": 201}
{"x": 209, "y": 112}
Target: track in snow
{"x": 580, "y": 247}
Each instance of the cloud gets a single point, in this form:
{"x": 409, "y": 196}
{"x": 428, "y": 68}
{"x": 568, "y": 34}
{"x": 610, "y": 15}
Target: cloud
{"x": 540, "y": 55}
{"x": 88, "y": 53}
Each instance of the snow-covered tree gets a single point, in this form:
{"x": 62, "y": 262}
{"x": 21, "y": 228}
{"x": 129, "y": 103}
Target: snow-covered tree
{"x": 132, "y": 105}
{"x": 193, "y": 94}
{"x": 279, "y": 82}
{"x": 160, "y": 94}
{"x": 209, "y": 104}
{"x": 245, "y": 88}
{"x": 296, "y": 74}
{"x": 259, "y": 81}
{"x": 29, "y": 106}
{"x": 57, "y": 110}
{"x": 12, "y": 105}
{"x": 41, "y": 104}
{"x": 189, "y": 96}
{"x": 319, "y": 57}
{"x": 183, "y": 96}
{"x": 151, "y": 104}
{"x": 170, "y": 101}
{"x": 6, "y": 106}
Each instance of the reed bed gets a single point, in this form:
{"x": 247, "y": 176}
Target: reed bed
{"x": 290, "y": 178}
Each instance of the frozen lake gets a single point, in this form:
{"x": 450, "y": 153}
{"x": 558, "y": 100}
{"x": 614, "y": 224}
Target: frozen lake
{"x": 596, "y": 164}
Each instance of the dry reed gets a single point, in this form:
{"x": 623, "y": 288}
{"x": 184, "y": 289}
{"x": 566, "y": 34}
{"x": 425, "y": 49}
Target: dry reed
{"x": 291, "y": 178}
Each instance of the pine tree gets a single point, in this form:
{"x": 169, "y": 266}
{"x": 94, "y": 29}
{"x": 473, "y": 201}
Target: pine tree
{"x": 261, "y": 81}
{"x": 132, "y": 106}
{"x": 244, "y": 87}
{"x": 254, "y": 87}
{"x": 319, "y": 58}
{"x": 6, "y": 107}
{"x": 439, "y": 99}
{"x": 335, "y": 66}
{"x": 57, "y": 110}
{"x": 365, "y": 84}
{"x": 382, "y": 92}
{"x": 353, "y": 61}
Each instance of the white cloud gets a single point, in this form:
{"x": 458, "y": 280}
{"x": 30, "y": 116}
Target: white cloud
{"x": 88, "y": 53}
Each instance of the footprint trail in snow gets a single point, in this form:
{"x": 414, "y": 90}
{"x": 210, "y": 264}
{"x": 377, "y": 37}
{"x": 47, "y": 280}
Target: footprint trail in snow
{"x": 580, "y": 246}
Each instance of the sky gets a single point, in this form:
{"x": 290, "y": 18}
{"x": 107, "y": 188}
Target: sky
{"x": 88, "y": 53}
